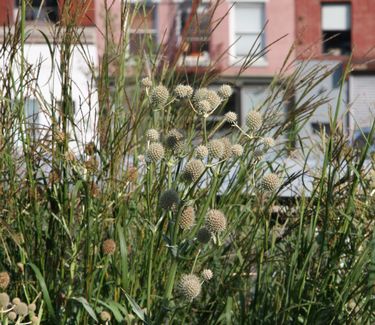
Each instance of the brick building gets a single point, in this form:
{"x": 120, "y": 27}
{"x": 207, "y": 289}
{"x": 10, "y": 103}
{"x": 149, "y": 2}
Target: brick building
{"x": 334, "y": 32}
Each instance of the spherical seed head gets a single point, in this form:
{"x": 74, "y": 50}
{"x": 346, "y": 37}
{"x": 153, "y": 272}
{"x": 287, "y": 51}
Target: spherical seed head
{"x": 16, "y": 301}
{"x": 32, "y": 307}
{"x": 237, "y": 150}
{"x": 21, "y": 309}
{"x": 268, "y": 142}
{"x": 34, "y": 320}
{"x": 187, "y": 218}
{"x": 193, "y": 170}
{"x": 203, "y": 107}
{"x": 225, "y": 91}
{"x": 214, "y": 99}
{"x": 201, "y": 152}
{"x": 270, "y": 182}
{"x": 199, "y": 95}
{"x": 152, "y": 135}
{"x": 155, "y": 152}
{"x": 4, "y": 280}
{"x": 4, "y": 300}
{"x": 189, "y": 91}
{"x": 254, "y": 121}
{"x": 159, "y": 95}
{"x": 227, "y": 153}
{"x": 109, "y": 247}
{"x": 169, "y": 200}
{"x": 231, "y": 117}
{"x": 203, "y": 236}
{"x": 174, "y": 140}
{"x": 189, "y": 286}
{"x": 105, "y": 316}
{"x": 12, "y": 316}
{"x": 216, "y": 149}
{"x": 146, "y": 82}
{"x": 183, "y": 91}
{"x": 207, "y": 274}
{"x": 216, "y": 221}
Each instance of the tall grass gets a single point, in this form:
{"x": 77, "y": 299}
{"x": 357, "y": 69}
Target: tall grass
{"x": 88, "y": 233}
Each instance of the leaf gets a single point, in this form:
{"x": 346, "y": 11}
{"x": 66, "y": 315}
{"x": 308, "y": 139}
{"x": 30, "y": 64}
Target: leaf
{"x": 137, "y": 309}
{"x": 87, "y": 306}
{"x": 43, "y": 286}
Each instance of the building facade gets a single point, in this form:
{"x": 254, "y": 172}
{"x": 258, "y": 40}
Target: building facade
{"x": 339, "y": 32}
{"x": 42, "y": 95}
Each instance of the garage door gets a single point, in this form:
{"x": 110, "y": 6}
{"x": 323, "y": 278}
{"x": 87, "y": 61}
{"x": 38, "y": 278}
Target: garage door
{"x": 362, "y": 97}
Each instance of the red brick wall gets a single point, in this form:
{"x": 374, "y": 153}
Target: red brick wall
{"x": 6, "y": 12}
{"x": 83, "y": 11}
{"x": 363, "y": 30}
{"x": 308, "y": 28}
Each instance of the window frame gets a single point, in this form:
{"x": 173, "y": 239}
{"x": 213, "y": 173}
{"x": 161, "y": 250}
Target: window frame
{"x": 154, "y": 32}
{"x": 325, "y": 50}
{"x": 234, "y": 58}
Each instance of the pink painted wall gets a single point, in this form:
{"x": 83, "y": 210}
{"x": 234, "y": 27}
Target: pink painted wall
{"x": 279, "y": 13}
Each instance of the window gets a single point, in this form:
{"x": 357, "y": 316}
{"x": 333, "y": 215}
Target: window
{"x": 143, "y": 32}
{"x": 248, "y": 22}
{"x": 336, "y": 28}
{"x": 40, "y": 10}
{"x": 195, "y": 34}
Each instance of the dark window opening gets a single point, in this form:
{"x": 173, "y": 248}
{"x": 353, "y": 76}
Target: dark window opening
{"x": 337, "y": 42}
{"x": 40, "y": 10}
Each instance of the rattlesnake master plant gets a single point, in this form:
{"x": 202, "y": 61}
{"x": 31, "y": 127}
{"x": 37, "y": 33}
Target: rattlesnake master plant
{"x": 307, "y": 262}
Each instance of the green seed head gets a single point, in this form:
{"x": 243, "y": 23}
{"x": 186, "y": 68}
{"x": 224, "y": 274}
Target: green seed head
{"x": 31, "y": 307}
{"x": 201, "y": 152}
{"x": 216, "y": 149}
{"x": 105, "y": 316}
{"x": 225, "y": 91}
{"x": 214, "y": 99}
{"x": 155, "y": 152}
{"x": 203, "y": 107}
{"x": 215, "y": 221}
{"x": 254, "y": 121}
{"x": 227, "y": 153}
{"x": 187, "y": 218}
{"x": 199, "y": 95}
{"x": 270, "y": 182}
{"x": 237, "y": 150}
{"x": 12, "y": 316}
{"x": 174, "y": 140}
{"x": 146, "y": 82}
{"x": 21, "y": 309}
{"x": 183, "y": 91}
{"x": 159, "y": 95}
{"x": 169, "y": 200}
{"x": 152, "y": 135}
{"x": 193, "y": 170}
{"x": 189, "y": 286}
{"x": 203, "y": 236}
{"x": 231, "y": 117}
{"x": 207, "y": 274}
{"x": 4, "y": 300}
